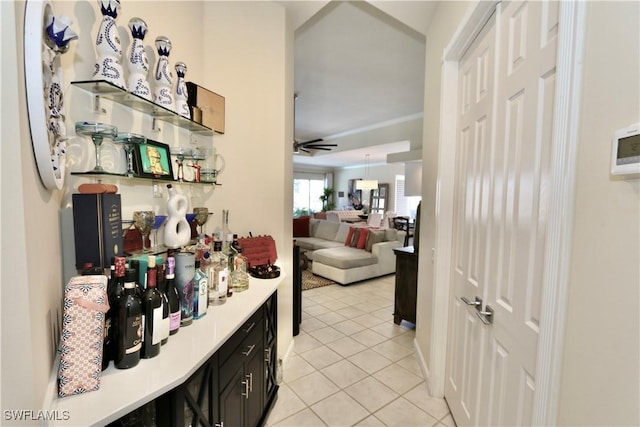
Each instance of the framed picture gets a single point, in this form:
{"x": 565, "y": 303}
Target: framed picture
{"x": 355, "y": 196}
{"x": 153, "y": 160}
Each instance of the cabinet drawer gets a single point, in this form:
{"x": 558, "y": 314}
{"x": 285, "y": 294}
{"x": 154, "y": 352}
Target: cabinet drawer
{"x": 248, "y": 347}
{"x": 243, "y": 332}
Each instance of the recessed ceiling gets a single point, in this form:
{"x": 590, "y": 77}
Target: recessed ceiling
{"x": 355, "y": 67}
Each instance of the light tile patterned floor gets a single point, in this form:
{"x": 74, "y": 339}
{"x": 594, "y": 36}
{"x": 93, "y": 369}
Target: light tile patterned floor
{"x": 352, "y": 366}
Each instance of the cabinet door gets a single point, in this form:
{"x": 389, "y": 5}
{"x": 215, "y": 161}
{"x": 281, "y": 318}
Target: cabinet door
{"x": 254, "y": 373}
{"x": 232, "y": 400}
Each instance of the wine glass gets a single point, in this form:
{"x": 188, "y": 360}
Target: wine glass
{"x": 157, "y": 223}
{"x": 129, "y": 140}
{"x": 97, "y": 132}
{"x": 202, "y": 215}
{"x": 143, "y": 222}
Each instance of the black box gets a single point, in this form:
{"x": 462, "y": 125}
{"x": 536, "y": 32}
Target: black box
{"x": 97, "y": 225}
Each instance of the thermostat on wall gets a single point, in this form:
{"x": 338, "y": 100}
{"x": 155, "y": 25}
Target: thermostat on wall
{"x": 625, "y": 153}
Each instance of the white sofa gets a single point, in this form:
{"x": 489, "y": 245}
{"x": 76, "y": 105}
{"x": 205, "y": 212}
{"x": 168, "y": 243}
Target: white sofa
{"x": 325, "y": 247}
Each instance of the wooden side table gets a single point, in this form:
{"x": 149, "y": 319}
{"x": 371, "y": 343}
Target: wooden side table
{"x": 406, "y": 285}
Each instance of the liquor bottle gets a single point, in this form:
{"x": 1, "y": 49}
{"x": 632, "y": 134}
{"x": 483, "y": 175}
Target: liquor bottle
{"x": 231, "y": 253}
{"x": 151, "y": 317}
{"x": 225, "y": 229}
{"x": 218, "y": 272}
{"x": 174, "y": 298}
{"x": 162, "y": 287}
{"x": 129, "y": 324}
{"x": 239, "y": 275}
{"x": 201, "y": 247}
{"x": 201, "y": 299}
{"x": 108, "y": 323}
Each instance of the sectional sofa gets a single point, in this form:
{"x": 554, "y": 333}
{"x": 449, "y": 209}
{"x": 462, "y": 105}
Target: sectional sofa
{"x": 347, "y": 253}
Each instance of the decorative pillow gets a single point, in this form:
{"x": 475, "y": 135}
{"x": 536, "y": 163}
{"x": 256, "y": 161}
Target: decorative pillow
{"x": 356, "y": 236}
{"x": 301, "y": 226}
{"x": 313, "y": 227}
{"x": 390, "y": 235}
{"x": 375, "y": 236}
{"x": 362, "y": 238}
{"x": 349, "y": 238}
{"x": 327, "y": 230}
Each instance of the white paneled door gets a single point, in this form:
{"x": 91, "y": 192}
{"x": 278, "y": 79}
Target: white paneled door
{"x": 505, "y": 98}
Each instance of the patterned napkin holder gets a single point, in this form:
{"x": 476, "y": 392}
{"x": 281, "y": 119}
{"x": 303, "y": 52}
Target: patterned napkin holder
{"x": 85, "y": 305}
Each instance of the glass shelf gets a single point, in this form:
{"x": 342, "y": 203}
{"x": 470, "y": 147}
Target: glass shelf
{"x": 107, "y": 90}
{"x": 112, "y": 176}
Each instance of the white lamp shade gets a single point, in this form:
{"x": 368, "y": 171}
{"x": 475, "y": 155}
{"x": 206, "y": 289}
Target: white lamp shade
{"x": 366, "y": 184}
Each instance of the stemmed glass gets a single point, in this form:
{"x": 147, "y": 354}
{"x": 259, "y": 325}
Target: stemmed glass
{"x": 157, "y": 223}
{"x": 202, "y": 215}
{"x": 97, "y": 132}
{"x": 181, "y": 154}
{"x": 129, "y": 140}
{"x": 143, "y": 221}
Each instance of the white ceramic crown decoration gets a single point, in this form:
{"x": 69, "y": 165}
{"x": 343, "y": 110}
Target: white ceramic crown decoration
{"x": 108, "y": 47}
{"x": 182, "y": 107}
{"x": 163, "y": 78}
{"x": 138, "y": 61}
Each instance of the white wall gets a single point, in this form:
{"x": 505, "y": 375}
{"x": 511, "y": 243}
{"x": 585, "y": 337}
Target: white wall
{"x": 385, "y": 174}
{"x": 601, "y": 376}
{"x": 242, "y": 50}
{"x": 444, "y": 23}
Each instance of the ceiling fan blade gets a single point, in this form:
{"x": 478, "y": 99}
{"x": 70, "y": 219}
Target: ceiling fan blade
{"x": 319, "y": 148}
{"x": 311, "y": 142}
{"x": 305, "y": 150}
{"x": 321, "y": 145}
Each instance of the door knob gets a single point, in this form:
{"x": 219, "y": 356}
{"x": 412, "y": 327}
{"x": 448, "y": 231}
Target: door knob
{"x": 486, "y": 315}
{"x": 477, "y": 302}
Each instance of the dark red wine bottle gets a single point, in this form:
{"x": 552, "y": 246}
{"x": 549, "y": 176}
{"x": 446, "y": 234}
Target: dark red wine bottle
{"x": 129, "y": 325}
{"x": 174, "y": 298}
{"x": 151, "y": 317}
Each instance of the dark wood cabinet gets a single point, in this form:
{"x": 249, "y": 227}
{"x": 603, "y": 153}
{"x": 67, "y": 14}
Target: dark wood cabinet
{"x": 406, "y": 285}
{"x": 236, "y": 386}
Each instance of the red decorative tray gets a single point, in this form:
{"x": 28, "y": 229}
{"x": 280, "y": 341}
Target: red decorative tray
{"x": 259, "y": 250}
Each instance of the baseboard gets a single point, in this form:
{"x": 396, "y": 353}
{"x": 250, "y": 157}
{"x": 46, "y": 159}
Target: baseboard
{"x": 287, "y": 353}
{"x": 423, "y": 365}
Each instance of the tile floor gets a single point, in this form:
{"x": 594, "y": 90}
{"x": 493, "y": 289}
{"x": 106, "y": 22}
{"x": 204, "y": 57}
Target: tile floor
{"x": 352, "y": 366}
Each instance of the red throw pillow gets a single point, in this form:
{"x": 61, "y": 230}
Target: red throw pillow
{"x": 301, "y": 226}
{"x": 362, "y": 238}
{"x": 347, "y": 241}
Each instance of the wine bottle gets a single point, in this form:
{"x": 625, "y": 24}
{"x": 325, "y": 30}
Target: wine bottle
{"x": 151, "y": 316}
{"x": 162, "y": 287}
{"x": 135, "y": 265}
{"x": 129, "y": 324}
{"x": 174, "y": 298}
{"x": 201, "y": 300}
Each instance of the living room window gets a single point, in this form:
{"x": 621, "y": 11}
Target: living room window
{"x": 307, "y": 190}
{"x": 405, "y": 206}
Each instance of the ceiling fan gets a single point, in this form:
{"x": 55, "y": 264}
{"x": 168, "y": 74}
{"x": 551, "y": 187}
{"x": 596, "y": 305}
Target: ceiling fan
{"x": 307, "y": 146}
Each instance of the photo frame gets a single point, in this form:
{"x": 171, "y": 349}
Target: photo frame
{"x": 153, "y": 160}
{"x": 355, "y": 196}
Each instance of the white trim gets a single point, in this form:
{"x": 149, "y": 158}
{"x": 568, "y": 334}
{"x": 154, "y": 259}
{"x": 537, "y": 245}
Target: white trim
{"x": 422, "y": 363}
{"x": 571, "y": 28}
{"x": 560, "y": 226}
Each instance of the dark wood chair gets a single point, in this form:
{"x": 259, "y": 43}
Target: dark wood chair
{"x": 402, "y": 223}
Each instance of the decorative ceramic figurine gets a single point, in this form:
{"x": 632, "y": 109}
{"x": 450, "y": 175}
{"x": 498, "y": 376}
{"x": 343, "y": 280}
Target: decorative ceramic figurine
{"x": 177, "y": 231}
{"x": 163, "y": 78}
{"x": 182, "y": 107}
{"x": 57, "y": 37}
{"x": 108, "y": 47}
{"x": 138, "y": 61}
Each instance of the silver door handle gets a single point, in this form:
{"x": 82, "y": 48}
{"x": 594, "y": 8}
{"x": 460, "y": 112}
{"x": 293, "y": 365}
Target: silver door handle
{"x": 486, "y": 315}
{"x": 267, "y": 354}
{"x": 477, "y": 302}
{"x": 245, "y": 383}
{"x": 250, "y": 379}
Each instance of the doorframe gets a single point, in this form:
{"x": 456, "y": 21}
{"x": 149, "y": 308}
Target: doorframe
{"x": 559, "y": 232}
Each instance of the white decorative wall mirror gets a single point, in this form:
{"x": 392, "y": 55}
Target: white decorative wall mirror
{"x": 46, "y": 37}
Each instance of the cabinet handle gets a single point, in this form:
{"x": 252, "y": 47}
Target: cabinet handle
{"x": 220, "y": 424}
{"x": 249, "y": 350}
{"x": 267, "y": 354}
{"x": 245, "y": 383}
{"x": 250, "y": 328}
{"x": 250, "y": 379}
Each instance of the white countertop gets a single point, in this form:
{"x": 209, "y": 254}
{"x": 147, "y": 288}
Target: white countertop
{"x": 123, "y": 390}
